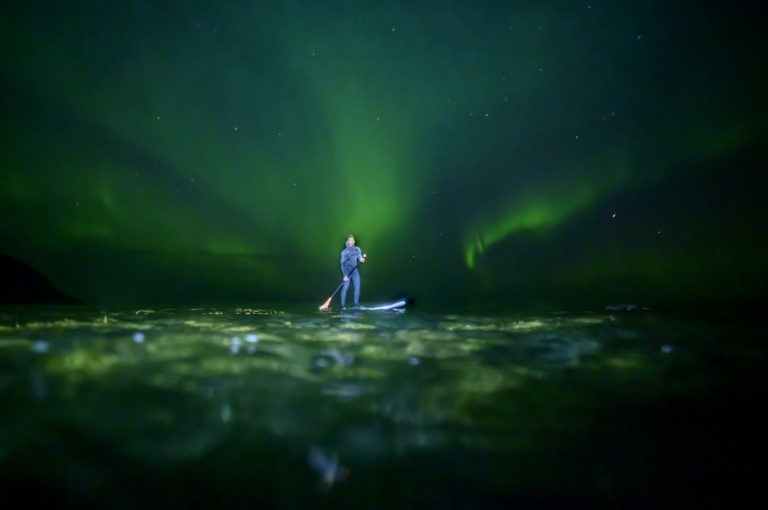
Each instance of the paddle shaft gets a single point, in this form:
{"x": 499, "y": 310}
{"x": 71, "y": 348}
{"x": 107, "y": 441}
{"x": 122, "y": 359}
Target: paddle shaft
{"x": 325, "y": 305}
{"x": 342, "y": 283}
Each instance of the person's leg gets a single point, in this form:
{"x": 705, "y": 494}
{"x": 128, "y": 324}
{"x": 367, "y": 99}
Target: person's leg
{"x": 344, "y": 289}
{"x": 356, "y": 283}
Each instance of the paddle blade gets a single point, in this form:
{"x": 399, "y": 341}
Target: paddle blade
{"x": 327, "y": 304}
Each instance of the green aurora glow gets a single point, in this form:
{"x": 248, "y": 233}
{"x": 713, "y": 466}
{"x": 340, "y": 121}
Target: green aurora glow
{"x": 226, "y": 151}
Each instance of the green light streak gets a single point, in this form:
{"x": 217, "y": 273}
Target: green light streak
{"x": 550, "y": 205}
{"x": 672, "y": 149}
{"x": 370, "y": 199}
{"x": 542, "y": 213}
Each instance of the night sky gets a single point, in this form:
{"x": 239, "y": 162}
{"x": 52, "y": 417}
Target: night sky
{"x": 192, "y": 151}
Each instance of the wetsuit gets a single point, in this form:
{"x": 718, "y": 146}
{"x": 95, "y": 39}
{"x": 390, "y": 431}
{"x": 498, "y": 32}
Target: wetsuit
{"x": 350, "y": 257}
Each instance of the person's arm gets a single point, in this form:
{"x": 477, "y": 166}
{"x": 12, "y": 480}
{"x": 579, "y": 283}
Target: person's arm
{"x": 360, "y": 256}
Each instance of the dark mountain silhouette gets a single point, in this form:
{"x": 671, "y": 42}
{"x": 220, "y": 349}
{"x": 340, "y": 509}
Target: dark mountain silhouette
{"x": 21, "y": 284}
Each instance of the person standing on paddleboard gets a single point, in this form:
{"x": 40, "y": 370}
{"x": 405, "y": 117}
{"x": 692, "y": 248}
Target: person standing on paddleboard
{"x": 351, "y": 256}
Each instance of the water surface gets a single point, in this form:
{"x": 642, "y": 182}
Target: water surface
{"x": 287, "y": 407}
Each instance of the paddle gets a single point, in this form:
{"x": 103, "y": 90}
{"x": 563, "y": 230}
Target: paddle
{"x": 327, "y": 304}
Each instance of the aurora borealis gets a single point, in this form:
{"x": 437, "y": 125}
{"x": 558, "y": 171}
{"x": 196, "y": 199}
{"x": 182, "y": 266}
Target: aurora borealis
{"x": 190, "y": 151}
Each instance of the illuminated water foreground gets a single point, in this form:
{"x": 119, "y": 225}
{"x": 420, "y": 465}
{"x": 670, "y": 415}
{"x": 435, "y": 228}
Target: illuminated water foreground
{"x": 280, "y": 407}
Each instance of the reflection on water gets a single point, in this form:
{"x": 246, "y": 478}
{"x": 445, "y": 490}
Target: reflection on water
{"x": 327, "y": 465}
{"x": 286, "y": 407}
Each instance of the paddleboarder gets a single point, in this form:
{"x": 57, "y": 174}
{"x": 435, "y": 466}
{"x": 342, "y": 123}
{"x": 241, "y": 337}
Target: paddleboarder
{"x": 351, "y": 256}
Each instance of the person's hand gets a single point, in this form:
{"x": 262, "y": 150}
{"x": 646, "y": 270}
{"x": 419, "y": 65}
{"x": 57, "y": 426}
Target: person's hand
{"x": 346, "y": 278}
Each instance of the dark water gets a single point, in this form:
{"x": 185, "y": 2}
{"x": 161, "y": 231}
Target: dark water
{"x": 288, "y": 407}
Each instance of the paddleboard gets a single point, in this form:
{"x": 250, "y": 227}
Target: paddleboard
{"x": 397, "y": 306}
